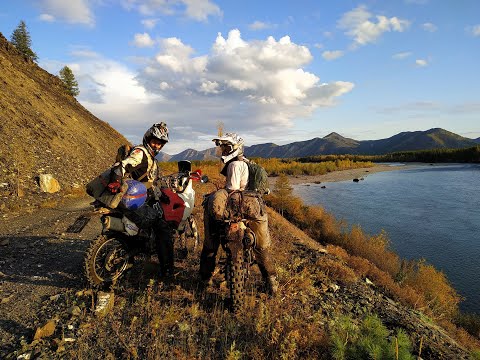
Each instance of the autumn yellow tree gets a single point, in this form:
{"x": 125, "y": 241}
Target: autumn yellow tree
{"x": 283, "y": 191}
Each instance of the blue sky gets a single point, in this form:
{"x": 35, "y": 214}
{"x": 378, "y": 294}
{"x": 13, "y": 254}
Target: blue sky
{"x": 273, "y": 71}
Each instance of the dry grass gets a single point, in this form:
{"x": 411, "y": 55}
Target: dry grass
{"x": 175, "y": 320}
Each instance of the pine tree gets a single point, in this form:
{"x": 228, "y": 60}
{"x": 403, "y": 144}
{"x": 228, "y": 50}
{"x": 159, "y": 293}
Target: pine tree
{"x": 21, "y": 39}
{"x": 69, "y": 81}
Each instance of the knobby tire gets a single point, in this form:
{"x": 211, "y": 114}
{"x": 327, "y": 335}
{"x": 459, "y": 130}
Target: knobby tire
{"x": 236, "y": 280}
{"x": 105, "y": 261}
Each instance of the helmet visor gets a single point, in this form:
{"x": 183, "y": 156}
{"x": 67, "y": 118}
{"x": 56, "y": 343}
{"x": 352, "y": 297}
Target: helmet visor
{"x": 226, "y": 148}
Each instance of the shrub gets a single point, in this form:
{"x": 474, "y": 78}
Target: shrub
{"x": 470, "y": 322}
{"x": 369, "y": 340}
{"x": 441, "y": 297}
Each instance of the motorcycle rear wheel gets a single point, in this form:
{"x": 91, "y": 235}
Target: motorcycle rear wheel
{"x": 105, "y": 261}
{"x": 236, "y": 280}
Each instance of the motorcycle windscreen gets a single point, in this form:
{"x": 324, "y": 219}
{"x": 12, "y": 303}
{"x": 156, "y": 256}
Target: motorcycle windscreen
{"x": 184, "y": 166}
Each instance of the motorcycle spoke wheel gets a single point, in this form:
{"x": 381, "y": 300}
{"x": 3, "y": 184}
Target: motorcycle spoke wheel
{"x": 236, "y": 281}
{"x": 105, "y": 261}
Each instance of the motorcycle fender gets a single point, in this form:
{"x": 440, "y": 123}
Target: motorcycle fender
{"x": 234, "y": 237}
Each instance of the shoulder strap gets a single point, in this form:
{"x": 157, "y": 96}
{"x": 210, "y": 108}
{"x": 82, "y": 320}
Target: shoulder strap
{"x": 149, "y": 165}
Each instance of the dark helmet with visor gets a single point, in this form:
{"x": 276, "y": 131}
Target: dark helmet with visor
{"x": 157, "y": 131}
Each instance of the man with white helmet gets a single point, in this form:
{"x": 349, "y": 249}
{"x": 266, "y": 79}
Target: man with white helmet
{"x": 236, "y": 173}
{"x": 141, "y": 165}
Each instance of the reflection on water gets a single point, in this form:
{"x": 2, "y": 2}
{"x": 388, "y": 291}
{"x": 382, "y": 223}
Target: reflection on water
{"x": 431, "y": 212}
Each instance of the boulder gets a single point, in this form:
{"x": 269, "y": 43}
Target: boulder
{"x": 45, "y": 331}
{"x": 48, "y": 183}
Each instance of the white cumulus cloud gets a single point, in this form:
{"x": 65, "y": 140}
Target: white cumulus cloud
{"x": 421, "y": 62}
{"x": 402, "y": 55}
{"x": 201, "y": 9}
{"x": 47, "y": 17}
{"x": 260, "y": 25}
{"x": 71, "y": 11}
{"x": 143, "y": 40}
{"x": 149, "y": 23}
{"x": 332, "y": 55}
{"x": 256, "y": 85}
{"x": 198, "y": 10}
{"x": 365, "y": 28}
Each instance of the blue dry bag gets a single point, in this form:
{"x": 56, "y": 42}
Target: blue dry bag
{"x": 135, "y": 195}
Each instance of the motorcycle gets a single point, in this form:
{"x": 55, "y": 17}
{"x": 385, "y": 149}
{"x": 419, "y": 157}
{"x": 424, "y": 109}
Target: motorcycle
{"x": 238, "y": 241}
{"x": 113, "y": 252}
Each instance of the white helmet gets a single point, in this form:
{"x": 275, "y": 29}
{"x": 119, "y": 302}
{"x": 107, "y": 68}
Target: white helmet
{"x": 234, "y": 143}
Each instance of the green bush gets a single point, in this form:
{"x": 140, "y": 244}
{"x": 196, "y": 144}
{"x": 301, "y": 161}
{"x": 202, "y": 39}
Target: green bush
{"x": 369, "y": 340}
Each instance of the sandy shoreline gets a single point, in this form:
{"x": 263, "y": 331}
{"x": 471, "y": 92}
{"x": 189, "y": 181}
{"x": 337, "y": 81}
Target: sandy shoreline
{"x": 341, "y": 175}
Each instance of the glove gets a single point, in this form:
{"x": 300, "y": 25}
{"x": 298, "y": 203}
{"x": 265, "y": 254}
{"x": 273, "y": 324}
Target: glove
{"x": 114, "y": 187}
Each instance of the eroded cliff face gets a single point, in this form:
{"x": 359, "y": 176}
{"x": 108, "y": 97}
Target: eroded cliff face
{"x": 45, "y": 130}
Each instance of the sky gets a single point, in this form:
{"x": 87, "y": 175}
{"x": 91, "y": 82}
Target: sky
{"x": 271, "y": 71}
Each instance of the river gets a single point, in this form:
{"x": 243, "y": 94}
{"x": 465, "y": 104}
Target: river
{"x": 429, "y": 211}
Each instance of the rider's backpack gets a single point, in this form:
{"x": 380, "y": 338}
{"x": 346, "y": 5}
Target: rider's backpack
{"x": 122, "y": 152}
{"x": 257, "y": 178}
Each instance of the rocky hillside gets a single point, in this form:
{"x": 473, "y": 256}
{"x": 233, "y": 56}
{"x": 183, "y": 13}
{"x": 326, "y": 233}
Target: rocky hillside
{"x": 43, "y": 130}
{"x": 336, "y": 144}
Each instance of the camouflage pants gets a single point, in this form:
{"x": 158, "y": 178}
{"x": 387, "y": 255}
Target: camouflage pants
{"x": 216, "y": 209}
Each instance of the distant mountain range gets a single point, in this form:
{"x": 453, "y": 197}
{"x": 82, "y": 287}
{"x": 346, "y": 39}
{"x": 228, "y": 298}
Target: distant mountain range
{"x": 336, "y": 144}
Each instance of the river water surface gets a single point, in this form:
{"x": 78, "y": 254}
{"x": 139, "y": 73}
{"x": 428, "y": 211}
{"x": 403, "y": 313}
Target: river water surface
{"x": 429, "y": 211}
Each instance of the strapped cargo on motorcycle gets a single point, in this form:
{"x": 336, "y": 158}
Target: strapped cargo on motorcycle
{"x": 97, "y": 188}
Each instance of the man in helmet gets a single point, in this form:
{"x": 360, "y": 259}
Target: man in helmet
{"x": 141, "y": 165}
{"x": 236, "y": 173}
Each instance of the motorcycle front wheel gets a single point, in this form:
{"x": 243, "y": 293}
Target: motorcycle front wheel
{"x": 105, "y": 261}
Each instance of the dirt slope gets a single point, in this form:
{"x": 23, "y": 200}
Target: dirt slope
{"x": 43, "y": 130}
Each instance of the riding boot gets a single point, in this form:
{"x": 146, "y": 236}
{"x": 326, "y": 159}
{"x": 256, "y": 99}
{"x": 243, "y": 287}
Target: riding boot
{"x": 165, "y": 247}
{"x": 272, "y": 285}
{"x": 267, "y": 270}
{"x": 165, "y": 257}
{"x": 210, "y": 248}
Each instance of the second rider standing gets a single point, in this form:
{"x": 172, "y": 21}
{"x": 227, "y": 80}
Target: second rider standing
{"x": 236, "y": 173}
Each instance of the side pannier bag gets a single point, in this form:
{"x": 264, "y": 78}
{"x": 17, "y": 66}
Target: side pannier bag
{"x": 97, "y": 188}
